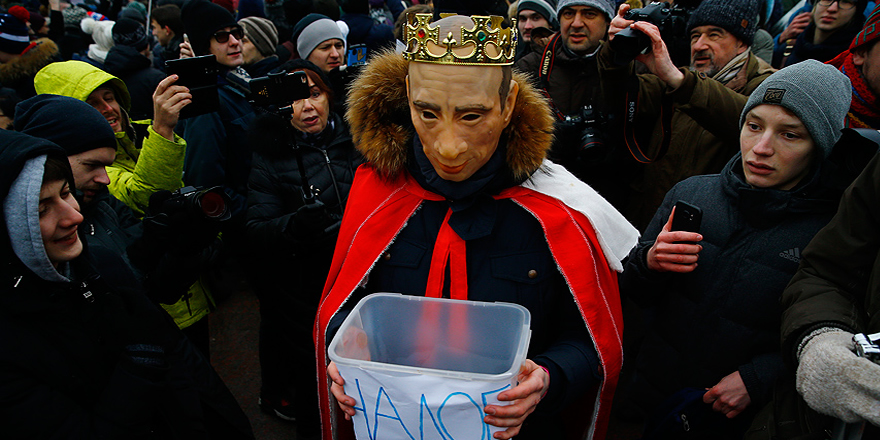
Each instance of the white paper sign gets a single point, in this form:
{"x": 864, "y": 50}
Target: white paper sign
{"x": 403, "y": 406}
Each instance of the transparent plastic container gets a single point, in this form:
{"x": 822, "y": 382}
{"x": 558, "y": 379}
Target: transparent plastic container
{"x": 424, "y": 368}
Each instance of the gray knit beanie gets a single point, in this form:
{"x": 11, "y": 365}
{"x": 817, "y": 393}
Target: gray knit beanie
{"x": 316, "y": 32}
{"x": 547, "y": 9}
{"x": 262, "y": 33}
{"x": 817, "y": 93}
{"x": 606, "y": 6}
{"x": 739, "y": 17}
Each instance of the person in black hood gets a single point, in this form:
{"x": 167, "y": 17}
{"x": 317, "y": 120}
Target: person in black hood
{"x": 291, "y": 238}
{"x": 713, "y": 296}
{"x": 78, "y": 358}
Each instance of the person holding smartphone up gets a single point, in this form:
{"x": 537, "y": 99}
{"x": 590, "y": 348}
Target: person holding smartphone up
{"x": 712, "y": 294}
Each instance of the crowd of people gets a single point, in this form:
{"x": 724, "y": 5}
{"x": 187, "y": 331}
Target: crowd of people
{"x": 544, "y": 156}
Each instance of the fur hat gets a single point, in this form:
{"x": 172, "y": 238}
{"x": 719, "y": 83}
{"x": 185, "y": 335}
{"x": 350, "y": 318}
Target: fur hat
{"x": 200, "y": 20}
{"x": 606, "y": 6}
{"x": 817, "y": 93}
{"x": 261, "y": 32}
{"x": 739, "y": 17}
{"x": 14, "y": 38}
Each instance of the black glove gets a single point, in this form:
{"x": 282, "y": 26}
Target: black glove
{"x": 309, "y": 222}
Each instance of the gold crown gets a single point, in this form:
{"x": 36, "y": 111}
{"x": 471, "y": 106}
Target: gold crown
{"x": 492, "y": 45}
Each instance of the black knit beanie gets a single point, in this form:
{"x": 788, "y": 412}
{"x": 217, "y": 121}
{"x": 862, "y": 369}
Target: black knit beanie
{"x": 128, "y": 32}
{"x": 200, "y": 20}
{"x": 739, "y": 17}
{"x": 72, "y": 124}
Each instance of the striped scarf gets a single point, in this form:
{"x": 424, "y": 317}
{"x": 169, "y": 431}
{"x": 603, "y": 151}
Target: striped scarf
{"x": 864, "y": 112}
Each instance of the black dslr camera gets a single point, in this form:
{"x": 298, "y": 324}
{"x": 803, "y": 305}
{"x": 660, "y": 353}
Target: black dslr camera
{"x": 198, "y": 204}
{"x": 584, "y": 133}
{"x": 671, "y": 20}
{"x": 279, "y": 89}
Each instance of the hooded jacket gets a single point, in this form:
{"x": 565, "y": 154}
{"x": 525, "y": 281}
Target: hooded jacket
{"x": 400, "y": 215}
{"x": 67, "y": 365}
{"x": 143, "y": 165}
{"x": 724, "y": 316}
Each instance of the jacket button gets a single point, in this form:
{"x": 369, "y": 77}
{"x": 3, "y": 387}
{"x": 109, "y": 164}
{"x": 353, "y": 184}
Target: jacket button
{"x": 533, "y": 274}
{"x": 387, "y": 256}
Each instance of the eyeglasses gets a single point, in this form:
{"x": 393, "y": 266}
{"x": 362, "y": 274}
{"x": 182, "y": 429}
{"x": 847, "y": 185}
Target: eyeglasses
{"x": 842, "y": 4}
{"x": 223, "y": 36}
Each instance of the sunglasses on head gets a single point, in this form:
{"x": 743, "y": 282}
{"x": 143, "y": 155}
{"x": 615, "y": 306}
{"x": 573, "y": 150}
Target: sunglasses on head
{"x": 223, "y": 36}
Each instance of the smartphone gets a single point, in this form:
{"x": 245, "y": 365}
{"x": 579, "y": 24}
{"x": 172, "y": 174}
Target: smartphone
{"x": 356, "y": 56}
{"x": 687, "y": 218}
{"x": 199, "y": 74}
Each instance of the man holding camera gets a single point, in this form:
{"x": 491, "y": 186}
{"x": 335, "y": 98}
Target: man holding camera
{"x": 568, "y": 73}
{"x": 700, "y": 104}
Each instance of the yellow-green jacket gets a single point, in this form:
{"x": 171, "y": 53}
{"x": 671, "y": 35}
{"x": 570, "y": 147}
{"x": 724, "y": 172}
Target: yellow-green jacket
{"x": 136, "y": 173}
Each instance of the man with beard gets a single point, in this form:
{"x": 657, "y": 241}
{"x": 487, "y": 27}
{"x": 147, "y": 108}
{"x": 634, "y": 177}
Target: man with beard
{"x": 701, "y": 104}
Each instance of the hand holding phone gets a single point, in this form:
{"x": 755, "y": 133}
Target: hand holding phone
{"x": 676, "y": 248}
{"x": 199, "y": 75}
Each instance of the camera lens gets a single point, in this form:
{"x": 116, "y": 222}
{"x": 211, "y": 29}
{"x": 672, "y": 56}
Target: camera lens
{"x": 212, "y": 205}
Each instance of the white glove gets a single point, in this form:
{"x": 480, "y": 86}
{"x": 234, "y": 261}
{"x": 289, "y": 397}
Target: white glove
{"x": 836, "y": 382}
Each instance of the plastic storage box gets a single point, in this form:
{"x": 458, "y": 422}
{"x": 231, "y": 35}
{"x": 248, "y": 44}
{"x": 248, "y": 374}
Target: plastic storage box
{"x": 424, "y": 368}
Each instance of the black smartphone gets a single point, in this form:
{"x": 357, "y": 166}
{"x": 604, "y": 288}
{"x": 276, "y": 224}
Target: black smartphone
{"x": 199, "y": 75}
{"x": 279, "y": 89}
{"x": 356, "y": 55}
{"x": 687, "y": 218}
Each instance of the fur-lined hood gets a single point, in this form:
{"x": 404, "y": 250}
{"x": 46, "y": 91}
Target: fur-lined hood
{"x": 26, "y": 66}
{"x": 379, "y": 117}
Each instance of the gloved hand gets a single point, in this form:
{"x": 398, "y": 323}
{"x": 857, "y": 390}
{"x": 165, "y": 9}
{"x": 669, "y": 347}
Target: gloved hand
{"x": 836, "y": 382}
{"x": 309, "y": 222}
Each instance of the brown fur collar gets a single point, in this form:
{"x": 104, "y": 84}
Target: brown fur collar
{"x": 31, "y": 62}
{"x": 378, "y": 113}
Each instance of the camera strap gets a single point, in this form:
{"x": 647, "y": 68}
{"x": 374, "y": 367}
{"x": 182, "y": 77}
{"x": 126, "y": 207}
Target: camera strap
{"x": 547, "y": 60}
{"x": 632, "y": 105}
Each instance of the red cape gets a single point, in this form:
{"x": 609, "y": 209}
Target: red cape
{"x": 377, "y": 211}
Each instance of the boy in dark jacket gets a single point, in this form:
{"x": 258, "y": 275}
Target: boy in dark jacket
{"x": 713, "y": 295}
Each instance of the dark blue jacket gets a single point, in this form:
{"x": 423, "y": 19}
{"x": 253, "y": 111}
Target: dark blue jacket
{"x": 725, "y": 315}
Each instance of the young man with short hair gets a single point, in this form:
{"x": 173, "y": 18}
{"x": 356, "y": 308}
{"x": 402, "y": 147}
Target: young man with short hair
{"x": 166, "y": 26}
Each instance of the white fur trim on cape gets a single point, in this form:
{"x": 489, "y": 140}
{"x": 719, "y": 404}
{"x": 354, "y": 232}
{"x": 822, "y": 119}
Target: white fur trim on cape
{"x": 616, "y": 235}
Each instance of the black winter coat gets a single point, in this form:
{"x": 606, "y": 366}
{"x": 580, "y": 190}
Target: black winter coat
{"x": 139, "y": 76}
{"x": 275, "y": 194}
{"x": 69, "y": 367}
{"x": 725, "y": 315}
